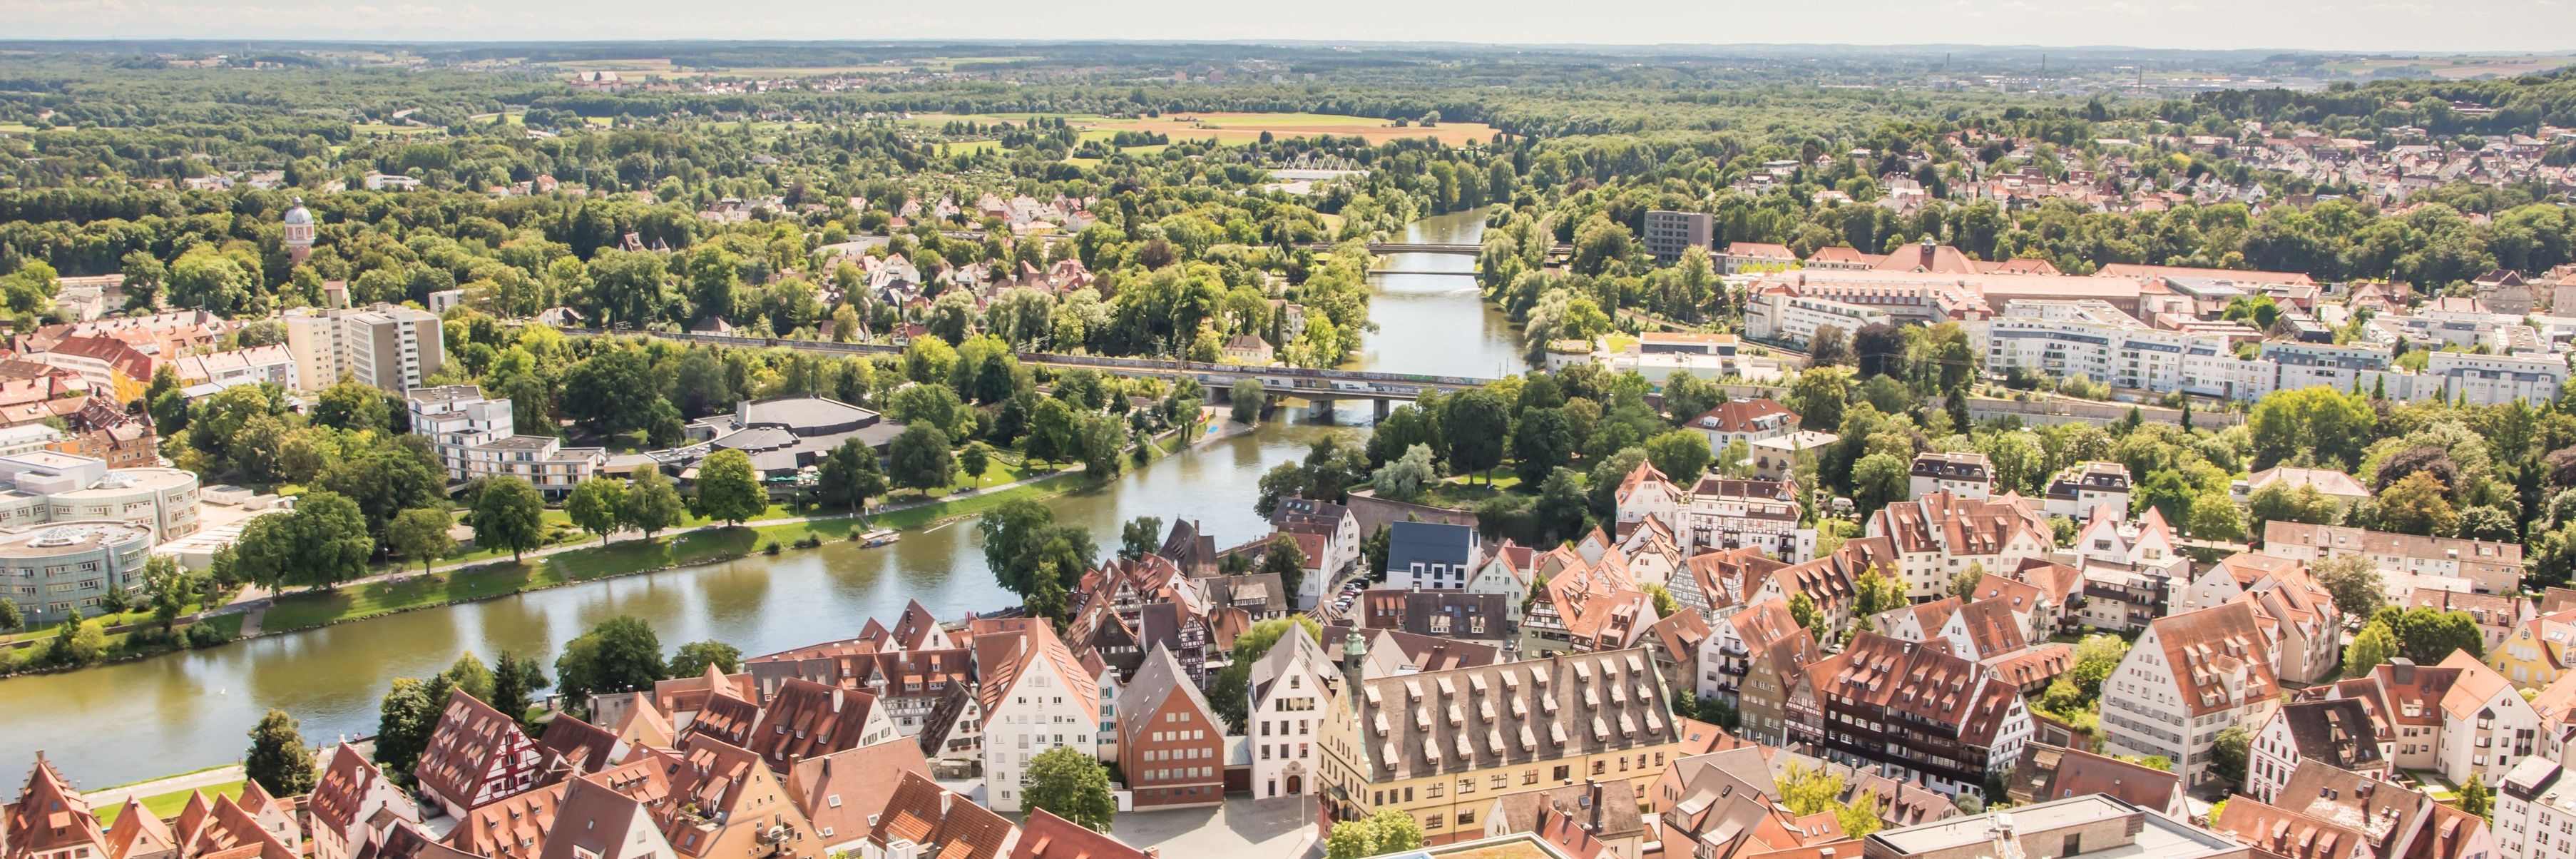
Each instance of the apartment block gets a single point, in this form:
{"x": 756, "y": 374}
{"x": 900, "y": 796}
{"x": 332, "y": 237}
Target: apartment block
{"x": 1669, "y": 234}
{"x": 389, "y": 347}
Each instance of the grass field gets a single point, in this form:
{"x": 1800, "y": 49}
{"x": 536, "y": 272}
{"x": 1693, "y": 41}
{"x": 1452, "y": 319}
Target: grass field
{"x": 2456, "y": 67}
{"x": 390, "y": 129}
{"x": 167, "y": 805}
{"x": 1238, "y": 127}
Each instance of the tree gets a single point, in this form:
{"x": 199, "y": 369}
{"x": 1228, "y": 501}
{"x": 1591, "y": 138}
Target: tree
{"x": 920, "y": 459}
{"x": 2478, "y": 799}
{"x": 1390, "y": 830}
{"x": 76, "y": 642}
{"x": 1964, "y": 585}
{"x": 975, "y": 461}
{"x": 11, "y": 618}
{"x": 1067, "y": 783}
{"x": 850, "y": 475}
{"x": 693, "y": 658}
{"x": 1543, "y": 443}
{"x": 729, "y": 489}
{"x": 2370, "y": 648}
{"x": 323, "y": 542}
{"x": 2353, "y": 581}
{"x": 620, "y": 655}
{"x": 1404, "y": 478}
{"x": 2228, "y": 754}
{"x": 470, "y": 675}
{"x": 1878, "y": 592}
{"x": 515, "y": 681}
{"x": 404, "y": 720}
{"x": 1140, "y": 537}
{"x": 354, "y": 406}
{"x": 278, "y": 758}
{"x": 2428, "y": 635}
{"x": 2418, "y": 504}
{"x": 420, "y": 534}
{"x": 597, "y": 505}
{"x": 1830, "y": 347}
{"x": 1286, "y": 559}
{"x": 2277, "y": 502}
{"x": 1478, "y": 421}
{"x": 2095, "y": 658}
{"x": 1818, "y": 395}
{"x": 507, "y": 514}
{"x": 1028, "y": 551}
{"x": 1878, "y": 480}
{"x": 1680, "y": 454}
{"x": 1803, "y": 611}
{"x": 652, "y": 503}
{"x": 1246, "y": 400}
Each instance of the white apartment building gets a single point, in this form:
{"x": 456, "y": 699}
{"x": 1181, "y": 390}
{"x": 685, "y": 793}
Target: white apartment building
{"x": 541, "y": 460}
{"x": 1291, "y": 689}
{"x": 2489, "y": 380}
{"x": 457, "y": 418}
{"x": 2487, "y": 567}
{"x": 1966, "y": 474}
{"x": 2535, "y": 812}
{"x": 1035, "y": 697}
{"x": 389, "y": 347}
{"x": 1781, "y": 317}
{"x": 2189, "y": 677}
{"x": 273, "y": 364}
{"x": 1938, "y": 536}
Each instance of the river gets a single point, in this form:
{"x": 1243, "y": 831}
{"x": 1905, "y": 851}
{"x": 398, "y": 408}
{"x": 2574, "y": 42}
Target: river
{"x": 138, "y": 720}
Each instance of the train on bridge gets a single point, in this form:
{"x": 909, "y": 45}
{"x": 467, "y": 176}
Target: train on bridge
{"x": 1304, "y": 382}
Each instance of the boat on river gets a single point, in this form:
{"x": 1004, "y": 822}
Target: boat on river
{"x": 879, "y": 537}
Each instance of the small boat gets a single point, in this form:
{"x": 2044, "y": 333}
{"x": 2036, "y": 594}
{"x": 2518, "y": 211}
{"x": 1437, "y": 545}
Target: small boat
{"x": 879, "y": 537}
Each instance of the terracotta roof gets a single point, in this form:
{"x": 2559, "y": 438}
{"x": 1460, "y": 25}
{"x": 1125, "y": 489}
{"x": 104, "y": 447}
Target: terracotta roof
{"x": 2285, "y": 833}
{"x": 1046, "y": 836}
{"x": 947, "y": 826}
{"x": 1918, "y": 680}
{"x": 49, "y": 814}
{"x": 2212, "y": 651}
{"x": 2476, "y": 685}
{"x": 345, "y": 780}
{"x": 1744, "y": 416}
{"x": 513, "y": 828}
{"x": 464, "y": 748}
{"x": 841, "y": 790}
{"x": 807, "y": 719}
{"x": 1542, "y": 709}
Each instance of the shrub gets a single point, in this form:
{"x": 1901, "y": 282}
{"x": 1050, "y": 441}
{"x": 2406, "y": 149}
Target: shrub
{"x": 770, "y": 549}
{"x": 202, "y": 634}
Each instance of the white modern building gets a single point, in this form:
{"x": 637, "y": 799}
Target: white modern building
{"x": 476, "y": 438}
{"x": 1035, "y": 697}
{"x": 1780, "y": 316}
{"x": 1291, "y": 690}
{"x": 389, "y": 347}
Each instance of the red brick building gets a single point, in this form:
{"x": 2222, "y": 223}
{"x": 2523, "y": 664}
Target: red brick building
{"x": 1170, "y": 746}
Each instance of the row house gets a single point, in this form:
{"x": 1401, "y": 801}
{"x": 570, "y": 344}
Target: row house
{"x": 2134, "y": 571}
{"x": 2488, "y": 567}
{"x": 1170, "y": 745}
{"x": 476, "y": 756}
{"x": 1339, "y": 533}
{"x": 923, "y": 820}
{"x": 353, "y": 805}
{"x": 1437, "y": 744}
{"x": 1035, "y": 696}
{"x": 1291, "y": 689}
{"x": 1484, "y": 617}
{"x": 1940, "y": 535}
{"x": 2339, "y": 731}
{"x": 1727, "y": 513}
{"x": 1583, "y": 604}
{"x": 1913, "y": 709}
{"x": 2539, "y": 651}
{"x": 2459, "y": 718}
{"x": 2188, "y": 677}
{"x": 907, "y": 684}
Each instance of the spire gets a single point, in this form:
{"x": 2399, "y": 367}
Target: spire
{"x": 1354, "y": 664}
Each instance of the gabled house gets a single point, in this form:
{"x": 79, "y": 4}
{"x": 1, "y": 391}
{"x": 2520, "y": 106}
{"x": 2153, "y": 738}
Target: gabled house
{"x": 2337, "y": 731}
{"x": 50, "y": 820}
{"x": 476, "y": 756}
{"x": 1290, "y": 689}
{"x": 1034, "y": 696}
{"x": 805, "y": 719}
{"x": 842, "y": 793}
{"x": 1170, "y": 745}
{"x": 924, "y": 821}
{"x": 2200, "y": 671}
{"x": 353, "y": 805}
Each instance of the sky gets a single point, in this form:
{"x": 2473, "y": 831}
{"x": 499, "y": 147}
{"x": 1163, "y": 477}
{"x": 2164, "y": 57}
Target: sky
{"x": 2331, "y": 25}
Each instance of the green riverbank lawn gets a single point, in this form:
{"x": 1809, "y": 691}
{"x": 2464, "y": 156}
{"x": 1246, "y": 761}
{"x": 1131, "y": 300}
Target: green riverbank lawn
{"x": 167, "y": 805}
{"x": 299, "y": 610}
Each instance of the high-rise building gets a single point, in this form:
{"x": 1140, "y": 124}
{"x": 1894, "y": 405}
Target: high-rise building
{"x": 389, "y": 347}
{"x": 1668, "y": 234}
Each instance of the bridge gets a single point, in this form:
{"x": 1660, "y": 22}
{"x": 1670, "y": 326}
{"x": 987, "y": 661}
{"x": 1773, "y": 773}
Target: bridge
{"x": 1319, "y": 388}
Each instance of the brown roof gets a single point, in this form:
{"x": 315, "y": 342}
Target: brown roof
{"x": 513, "y": 828}
{"x": 469, "y": 738}
{"x": 1919, "y": 680}
{"x": 1046, "y": 836}
{"x": 1542, "y": 709}
{"x": 2079, "y": 772}
{"x": 1744, "y": 416}
{"x": 49, "y": 814}
{"x": 591, "y": 822}
{"x": 2205, "y": 649}
{"x": 808, "y": 719}
{"x": 947, "y": 826}
{"x": 2285, "y": 833}
{"x": 345, "y": 780}
{"x": 575, "y": 746}
{"x": 1004, "y": 656}
{"x": 841, "y": 790}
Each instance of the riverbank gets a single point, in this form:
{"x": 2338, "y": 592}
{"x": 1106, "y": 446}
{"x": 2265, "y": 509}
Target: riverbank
{"x": 254, "y": 614}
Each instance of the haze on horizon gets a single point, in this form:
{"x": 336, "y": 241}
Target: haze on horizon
{"x": 2431, "y": 26}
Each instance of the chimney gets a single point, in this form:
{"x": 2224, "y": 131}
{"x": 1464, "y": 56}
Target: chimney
{"x": 2402, "y": 668}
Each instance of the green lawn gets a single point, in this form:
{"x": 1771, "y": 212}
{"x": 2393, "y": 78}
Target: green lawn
{"x": 167, "y": 805}
{"x": 1466, "y": 490}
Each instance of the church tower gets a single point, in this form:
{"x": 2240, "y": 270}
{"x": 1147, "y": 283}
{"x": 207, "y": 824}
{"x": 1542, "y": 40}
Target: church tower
{"x": 299, "y": 232}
